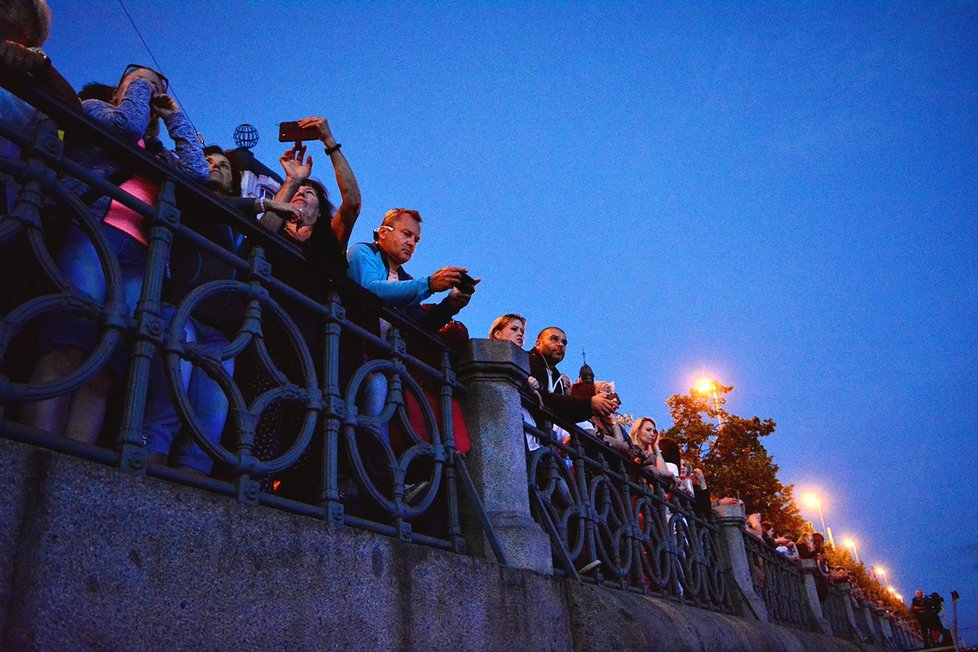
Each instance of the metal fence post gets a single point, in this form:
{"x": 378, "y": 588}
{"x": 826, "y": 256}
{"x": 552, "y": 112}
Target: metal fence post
{"x": 149, "y": 331}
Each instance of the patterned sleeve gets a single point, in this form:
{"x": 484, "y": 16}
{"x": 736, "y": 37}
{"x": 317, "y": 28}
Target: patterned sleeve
{"x": 189, "y": 156}
{"x": 131, "y": 117}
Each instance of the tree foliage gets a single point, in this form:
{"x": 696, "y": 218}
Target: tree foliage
{"x": 839, "y": 558}
{"x": 732, "y": 456}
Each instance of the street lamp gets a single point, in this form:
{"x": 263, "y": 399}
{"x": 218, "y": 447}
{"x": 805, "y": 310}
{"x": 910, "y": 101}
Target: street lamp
{"x": 708, "y": 387}
{"x": 851, "y": 543}
{"x": 815, "y": 501}
{"x": 879, "y": 570}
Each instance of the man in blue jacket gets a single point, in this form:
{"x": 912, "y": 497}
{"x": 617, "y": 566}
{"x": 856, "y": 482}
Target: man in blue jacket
{"x": 378, "y": 267}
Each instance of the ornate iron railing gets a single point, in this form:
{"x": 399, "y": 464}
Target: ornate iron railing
{"x": 301, "y": 360}
{"x": 834, "y": 610}
{"x": 906, "y": 635}
{"x": 779, "y": 581}
{"x": 287, "y": 343}
{"x": 614, "y": 524}
{"x": 863, "y": 627}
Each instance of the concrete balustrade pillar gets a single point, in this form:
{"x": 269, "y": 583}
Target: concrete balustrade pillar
{"x": 872, "y": 624}
{"x": 493, "y": 371}
{"x": 883, "y": 618}
{"x": 845, "y": 590}
{"x": 808, "y": 569}
{"x": 731, "y": 520}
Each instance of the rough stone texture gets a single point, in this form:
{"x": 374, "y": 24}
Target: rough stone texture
{"x": 809, "y": 568}
{"x": 874, "y": 630}
{"x": 845, "y": 589}
{"x": 884, "y": 622}
{"x": 19, "y": 467}
{"x": 731, "y": 519}
{"x": 108, "y": 560}
{"x": 603, "y": 619}
{"x": 493, "y": 371}
{"x": 112, "y": 561}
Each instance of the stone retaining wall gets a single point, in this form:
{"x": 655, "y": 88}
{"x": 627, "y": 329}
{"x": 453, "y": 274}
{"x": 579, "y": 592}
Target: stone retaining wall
{"x": 94, "y": 558}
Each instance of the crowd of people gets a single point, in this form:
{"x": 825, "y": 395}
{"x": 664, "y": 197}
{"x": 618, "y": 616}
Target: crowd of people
{"x": 592, "y": 405}
{"x": 301, "y": 212}
{"x": 136, "y": 109}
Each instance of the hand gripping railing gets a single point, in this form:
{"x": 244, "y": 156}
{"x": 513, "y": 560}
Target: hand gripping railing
{"x": 614, "y": 524}
{"x": 291, "y": 340}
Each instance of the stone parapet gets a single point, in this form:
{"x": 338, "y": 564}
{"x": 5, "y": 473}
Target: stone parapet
{"x": 493, "y": 371}
{"x": 809, "y": 567}
{"x": 117, "y": 561}
{"x": 731, "y": 519}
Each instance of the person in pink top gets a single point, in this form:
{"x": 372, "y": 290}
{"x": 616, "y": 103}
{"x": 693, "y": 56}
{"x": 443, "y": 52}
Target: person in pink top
{"x": 139, "y": 103}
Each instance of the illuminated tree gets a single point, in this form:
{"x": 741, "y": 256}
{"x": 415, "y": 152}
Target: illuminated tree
{"x": 839, "y": 558}
{"x": 734, "y": 457}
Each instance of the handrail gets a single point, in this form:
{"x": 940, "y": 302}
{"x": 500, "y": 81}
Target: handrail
{"x": 357, "y": 476}
{"x": 196, "y": 197}
{"x": 614, "y": 523}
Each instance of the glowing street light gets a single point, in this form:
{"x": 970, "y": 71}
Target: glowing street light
{"x": 708, "y": 387}
{"x": 705, "y": 386}
{"x": 812, "y": 500}
{"x": 879, "y": 570}
{"x": 851, "y": 543}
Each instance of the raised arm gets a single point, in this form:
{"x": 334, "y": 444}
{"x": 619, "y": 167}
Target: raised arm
{"x": 349, "y": 209}
{"x": 131, "y": 116}
{"x": 657, "y": 464}
{"x": 296, "y": 172}
{"x": 189, "y": 151}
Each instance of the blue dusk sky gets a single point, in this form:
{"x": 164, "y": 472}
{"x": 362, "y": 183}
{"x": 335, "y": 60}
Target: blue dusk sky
{"x": 781, "y": 196}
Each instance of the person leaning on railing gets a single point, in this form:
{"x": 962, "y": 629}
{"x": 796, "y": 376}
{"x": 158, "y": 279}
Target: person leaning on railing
{"x": 512, "y": 328}
{"x": 208, "y": 327}
{"x": 140, "y": 100}
{"x": 645, "y": 435}
{"x": 604, "y": 426}
{"x": 321, "y": 231}
{"x": 24, "y": 26}
{"x": 379, "y": 268}
{"x": 546, "y": 354}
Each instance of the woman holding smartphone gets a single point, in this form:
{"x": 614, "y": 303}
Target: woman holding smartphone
{"x": 317, "y": 222}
